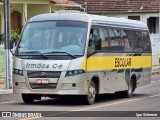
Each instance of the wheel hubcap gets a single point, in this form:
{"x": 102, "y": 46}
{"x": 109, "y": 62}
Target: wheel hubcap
{"x": 92, "y": 93}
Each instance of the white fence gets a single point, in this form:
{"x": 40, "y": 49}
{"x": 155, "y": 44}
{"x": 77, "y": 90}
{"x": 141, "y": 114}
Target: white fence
{"x": 155, "y": 40}
{"x": 2, "y": 67}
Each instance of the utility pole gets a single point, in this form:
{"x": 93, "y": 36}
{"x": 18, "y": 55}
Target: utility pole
{"x": 6, "y": 43}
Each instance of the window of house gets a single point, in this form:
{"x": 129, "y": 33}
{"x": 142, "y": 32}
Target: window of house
{"x": 134, "y": 18}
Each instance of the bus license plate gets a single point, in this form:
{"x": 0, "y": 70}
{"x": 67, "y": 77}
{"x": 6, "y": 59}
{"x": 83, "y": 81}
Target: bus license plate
{"x": 42, "y": 81}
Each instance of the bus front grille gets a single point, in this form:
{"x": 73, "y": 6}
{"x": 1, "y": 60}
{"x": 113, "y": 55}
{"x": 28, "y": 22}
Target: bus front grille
{"x": 43, "y": 86}
{"x": 43, "y": 74}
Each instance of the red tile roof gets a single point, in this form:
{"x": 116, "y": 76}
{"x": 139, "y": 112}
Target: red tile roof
{"x": 121, "y": 6}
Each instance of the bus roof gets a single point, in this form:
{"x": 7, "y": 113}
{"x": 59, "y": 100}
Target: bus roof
{"x": 95, "y": 19}
{"x": 113, "y": 21}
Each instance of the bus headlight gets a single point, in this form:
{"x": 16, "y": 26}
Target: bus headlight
{"x": 74, "y": 72}
{"x": 18, "y": 72}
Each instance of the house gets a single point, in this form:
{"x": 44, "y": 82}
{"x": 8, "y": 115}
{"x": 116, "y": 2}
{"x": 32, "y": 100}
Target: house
{"x": 22, "y": 10}
{"x": 146, "y": 11}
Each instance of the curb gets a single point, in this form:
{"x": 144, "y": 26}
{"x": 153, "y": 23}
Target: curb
{"x": 6, "y": 91}
{"x": 155, "y": 72}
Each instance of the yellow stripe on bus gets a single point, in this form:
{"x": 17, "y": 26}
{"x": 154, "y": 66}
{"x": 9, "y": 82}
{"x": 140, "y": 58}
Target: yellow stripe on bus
{"x": 118, "y": 62}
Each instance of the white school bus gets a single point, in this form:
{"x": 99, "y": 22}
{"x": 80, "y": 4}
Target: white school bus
{"x": 81, "y": 54}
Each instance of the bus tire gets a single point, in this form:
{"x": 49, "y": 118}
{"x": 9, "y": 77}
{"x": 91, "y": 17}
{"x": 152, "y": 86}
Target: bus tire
{"x": 28, "y": 98}
{"x": 128, "y": 93}
{"x": 90, "y": 98}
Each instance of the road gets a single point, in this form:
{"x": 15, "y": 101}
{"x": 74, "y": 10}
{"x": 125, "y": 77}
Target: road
{"x": 146, "y": 98}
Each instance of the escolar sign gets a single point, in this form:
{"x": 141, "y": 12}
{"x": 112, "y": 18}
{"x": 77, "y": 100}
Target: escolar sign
{"x": 123, "y": 62}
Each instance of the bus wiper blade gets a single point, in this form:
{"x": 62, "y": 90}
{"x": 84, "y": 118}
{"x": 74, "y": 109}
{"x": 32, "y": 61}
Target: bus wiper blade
{"x": 61, "y": 52}
{"x": 35, "y": 52}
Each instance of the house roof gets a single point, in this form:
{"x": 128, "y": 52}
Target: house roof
{"x": 121, "y": 6}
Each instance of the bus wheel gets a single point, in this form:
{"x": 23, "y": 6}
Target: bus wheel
{"x": 28, "y": 98}
{"x": 128, "y": 93}
{"x": 90, "y": 98}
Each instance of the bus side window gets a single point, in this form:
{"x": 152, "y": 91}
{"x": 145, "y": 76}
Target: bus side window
{"x": 146, "y": 41}
{"x": 93, "y": 41}
{"x": 137, "y": 41}
{"x": 104, "y": 39}
{"x": 115, "y": 41}
{"x": 91, "y": 45}
{"x": 125, "y": 35}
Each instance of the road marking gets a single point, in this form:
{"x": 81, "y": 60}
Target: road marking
{"x": 94, "y": 107}
{"x": 115, "y": 103}
{"x": 7, "y": 102}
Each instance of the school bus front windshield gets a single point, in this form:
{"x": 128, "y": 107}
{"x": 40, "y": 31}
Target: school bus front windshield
{"x": 54, "y": 37}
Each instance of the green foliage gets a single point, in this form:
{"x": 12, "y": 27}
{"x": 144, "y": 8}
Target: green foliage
{"x": 15, "y": 34}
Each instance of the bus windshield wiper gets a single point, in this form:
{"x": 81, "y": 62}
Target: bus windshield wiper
{"x": 35, "y": 52}
{"x": 61, "y": 52}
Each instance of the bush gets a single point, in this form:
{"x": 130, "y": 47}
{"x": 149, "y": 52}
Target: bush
{"x": 15, "y": 35}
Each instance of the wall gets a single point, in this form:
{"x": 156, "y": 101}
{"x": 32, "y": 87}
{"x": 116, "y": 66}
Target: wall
{"x": 157, "y": 23}
{"x": 31, "y": 1}
{"x": 143, "y": 16}
{"x": 17, "y": 7}
{"x": 1, "y": 20}
{"x": 155, "y": 59}
{"x": 37, "y": 9}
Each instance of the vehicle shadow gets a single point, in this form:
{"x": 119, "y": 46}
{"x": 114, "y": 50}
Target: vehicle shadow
{"x": 77, "y": 101}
